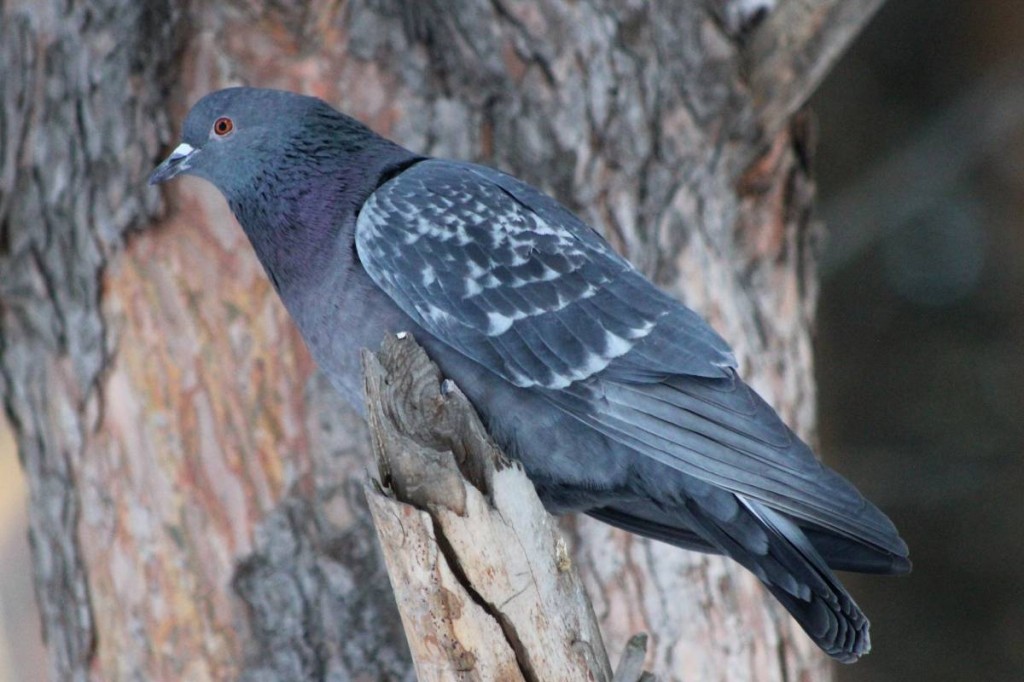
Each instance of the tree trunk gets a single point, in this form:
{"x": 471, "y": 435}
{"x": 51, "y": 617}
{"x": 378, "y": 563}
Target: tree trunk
{"x": 196, "y": 507}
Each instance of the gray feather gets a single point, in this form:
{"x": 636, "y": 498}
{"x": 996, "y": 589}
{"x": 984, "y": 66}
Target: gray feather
{"x": 519, "y": 284}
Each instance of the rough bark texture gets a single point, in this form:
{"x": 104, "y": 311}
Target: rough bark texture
{"x": 196, "y": 509}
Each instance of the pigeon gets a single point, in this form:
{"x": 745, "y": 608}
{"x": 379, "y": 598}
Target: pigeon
{"x": 618, "y": 401}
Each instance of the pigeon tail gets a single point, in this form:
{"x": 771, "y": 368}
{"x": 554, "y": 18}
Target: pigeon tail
{"x": 778, "y": 552}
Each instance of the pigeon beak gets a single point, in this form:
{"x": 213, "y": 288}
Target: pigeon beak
{"x": 177, "y": 162}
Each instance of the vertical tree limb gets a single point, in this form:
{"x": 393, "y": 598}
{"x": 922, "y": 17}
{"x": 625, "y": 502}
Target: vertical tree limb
{"x": 792, "y": 50}
{"x": 483, "y": 579}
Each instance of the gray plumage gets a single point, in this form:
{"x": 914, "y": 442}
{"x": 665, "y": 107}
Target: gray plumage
{"x": 619, "y": 401}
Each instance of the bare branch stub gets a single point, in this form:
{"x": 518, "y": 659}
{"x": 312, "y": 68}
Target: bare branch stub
{"x": 793, "y": 49}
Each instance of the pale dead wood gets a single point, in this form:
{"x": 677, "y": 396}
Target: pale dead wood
{"x": 483, "y": 579}
{"x": 631, "y": 665}
{"x": 451, "y": 636}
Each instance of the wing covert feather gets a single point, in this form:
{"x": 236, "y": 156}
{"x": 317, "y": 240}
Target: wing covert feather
{"x": 516, "y": 282}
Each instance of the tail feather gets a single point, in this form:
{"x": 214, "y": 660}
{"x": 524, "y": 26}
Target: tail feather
{"x": 793, "y": 561}
{"x": 826, "y": 611}
{"x": 793, "y": 571}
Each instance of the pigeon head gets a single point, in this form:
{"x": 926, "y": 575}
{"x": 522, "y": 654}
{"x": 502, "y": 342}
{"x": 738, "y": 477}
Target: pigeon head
{"x": 231, "y": 137}
{"x": 293, "y": 170}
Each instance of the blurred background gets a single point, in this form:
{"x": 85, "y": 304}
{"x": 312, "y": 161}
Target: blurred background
{"x": 920, "y": 337}
{"x": 920, "y": 342}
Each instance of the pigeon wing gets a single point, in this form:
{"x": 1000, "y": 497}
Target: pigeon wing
{"x": 517, "y": 283}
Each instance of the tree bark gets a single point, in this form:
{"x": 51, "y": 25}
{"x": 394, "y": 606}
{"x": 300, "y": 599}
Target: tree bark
{"x": 196, "y": 505}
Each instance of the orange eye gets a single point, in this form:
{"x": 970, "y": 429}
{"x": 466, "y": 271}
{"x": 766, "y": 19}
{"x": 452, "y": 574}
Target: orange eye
{"x": 222, "y": 126}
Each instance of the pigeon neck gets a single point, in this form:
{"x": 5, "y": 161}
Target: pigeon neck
{"x": 297, "y": 229}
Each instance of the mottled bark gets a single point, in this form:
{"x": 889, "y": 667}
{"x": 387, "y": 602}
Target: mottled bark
{"x": 196, "y": 504}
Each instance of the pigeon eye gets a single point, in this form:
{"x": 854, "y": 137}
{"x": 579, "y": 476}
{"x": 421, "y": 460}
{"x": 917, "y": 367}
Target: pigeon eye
{"x": 222, "y": 126}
